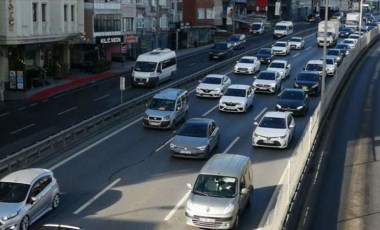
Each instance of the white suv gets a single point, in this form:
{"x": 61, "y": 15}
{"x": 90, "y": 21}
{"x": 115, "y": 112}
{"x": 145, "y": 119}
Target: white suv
{"x": 267, "y": 81}
{"x": 281, "y": 48}
{"x": 247, "y": 65}
{"x": 281, "y": 66}
{"x": 237, "y": 98}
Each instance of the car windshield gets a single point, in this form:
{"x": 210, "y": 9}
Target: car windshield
{"x": 292, "y": 95}
{"x": 346, "y": 30}
{"x": 264, "y": 51}
{"x": 273, "y": 122}
{"x": 280, "y": 44}
{"x": 277, "y": 65}
{"x": 220, "y": 46}
{"x": 329, "y": 61}
{"x": 256, "y": 26}
{"x": 314, "y": 67}
{"x": 341, "y": 46}
{"x": 266, "y": 76}
{"x": 280, "y": 28}
{"x": 235, "y": 92}
{"x": 162, "y": 104}
{"x": 215, "y": 186}
{"x": 193, "y": 130}
{"x": 246, "y": 60}
{"x": 144, "y": 66}
{"x": 13, "y": 192}
{"x": 234, "y": 38}
{"x": 307, "y": 77}
{"x": 295, "y": 40}
{"x": 212, "y": 80}
{"x": 333, "y": 52}
{"x": 348, "y": 41}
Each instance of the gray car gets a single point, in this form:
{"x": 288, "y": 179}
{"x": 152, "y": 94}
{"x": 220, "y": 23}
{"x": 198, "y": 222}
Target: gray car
{"x": 196, "y": 139}
{"x": 25, "y": 196}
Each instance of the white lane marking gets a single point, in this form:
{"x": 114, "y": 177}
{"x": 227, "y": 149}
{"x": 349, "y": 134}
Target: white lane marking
{"x": 261, "y": 113}
{"x": 96, "y": 196}
{"x": 308, "y": 48}
{"x": 23, "y": 128}
{"x": 295, "y": 55}
{"x": 4, "y": 114}
{"x": 99, "y": 98}
{"x": 66, "y": 111}
{"x": 94, "y": 144}
{"x": 231, "y": 145}
{"x": 179, "y": 204}
{"x": 22, "y": 108}
{"x": 34, "y": 104}
{"x": 162, "y": 146}
{"x": 206, "y": 113}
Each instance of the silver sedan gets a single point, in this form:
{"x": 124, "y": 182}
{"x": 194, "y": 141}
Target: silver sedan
{"x": 197, "y": 138}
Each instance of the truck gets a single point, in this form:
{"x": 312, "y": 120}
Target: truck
{"x": 332, "y": 33}
{"x": 352, "y": 20}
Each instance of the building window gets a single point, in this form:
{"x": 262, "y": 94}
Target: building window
{"x": 140, "y": 21}
{"x": 65, "y": 13}
{"x": 107, "y": 22}
{"x": 127, "y": 24}
{"x": 72, "y": 13}
{"x": 163, "y": 21}
{"x": 34, "y": 8}
{"x": 209, "y": 13}
{"x": 140, "y": 1}
{"x": 201, "y": 13}
{"x": 162, "y": 2}
{"x": 218, "y": 12}
{"x": 43, "y": 12}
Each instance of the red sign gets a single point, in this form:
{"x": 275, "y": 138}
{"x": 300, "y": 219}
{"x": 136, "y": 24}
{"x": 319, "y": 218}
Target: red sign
{"x": 130, "y": 39}
{"x": 262, "y": 3}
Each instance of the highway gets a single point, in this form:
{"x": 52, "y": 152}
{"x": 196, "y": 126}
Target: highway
{"x": 126, "y": 179}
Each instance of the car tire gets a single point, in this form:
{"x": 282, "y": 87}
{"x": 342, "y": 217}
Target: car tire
{"x": 24, "y": 223}
{"x": 56, "y": 201}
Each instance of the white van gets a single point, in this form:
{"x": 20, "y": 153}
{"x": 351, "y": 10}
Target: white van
{"x": 220, "y": 193}
{"x": 154, "y": 67}
{"x": 282, "y": 29}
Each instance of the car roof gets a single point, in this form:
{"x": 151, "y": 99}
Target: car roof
{"x": 26, "y": 176}
{"x": 315, "y": 62}
{"x": 239, "y": 86}
{"x": 268, "y": 71}
{"x": 215, "y": 75}
{"x": 225, "y": 164}
{"x": 308, "y": 73}
{"x": 248, "y": 57}
{"x": 169, "y": 93}
{"x": 276, "y": 114}
{"x": 199, "y": 120}
{"x": 296, "y": 37}
{"x": 280, "y": 61}
{"x": 329, "y": 57}
{"x": 280, "y": 42}
{"x": 293, "y": 90}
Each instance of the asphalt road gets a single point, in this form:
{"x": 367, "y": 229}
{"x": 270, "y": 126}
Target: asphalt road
{"x": 26, "y": 124}
{"x": 126, "y": 179}
{"x": 349, "y": 194}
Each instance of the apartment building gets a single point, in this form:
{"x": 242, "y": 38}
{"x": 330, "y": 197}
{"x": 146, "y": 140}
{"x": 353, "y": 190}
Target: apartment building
{"x": 37, "y": 37}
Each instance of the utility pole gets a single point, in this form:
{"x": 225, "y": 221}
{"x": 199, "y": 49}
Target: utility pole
{"x": 324, "y": 59}
{"x": 233, "y": 16}
{"x": 157, "y": 22}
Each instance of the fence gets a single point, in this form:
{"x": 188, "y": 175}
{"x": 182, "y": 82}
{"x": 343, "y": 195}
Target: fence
{"x": 288, "y": 185}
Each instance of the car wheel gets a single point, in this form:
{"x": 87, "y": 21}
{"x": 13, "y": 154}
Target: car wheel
{"x": 56, "y": 201}
{"x": 24, "y": 224}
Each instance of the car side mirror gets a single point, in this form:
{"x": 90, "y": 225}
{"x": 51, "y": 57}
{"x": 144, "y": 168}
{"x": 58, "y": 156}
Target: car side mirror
{"x": 178, "y": 108}
{"x": 237, "y": 61}
{"x": 292, "y": 125}
{"x": 189, "y": 186}
{"x": 199, "y": 81}
{"x": 255, "y": 123}
{"x": 244, "y": 191}
{"x": 32, "y": 200}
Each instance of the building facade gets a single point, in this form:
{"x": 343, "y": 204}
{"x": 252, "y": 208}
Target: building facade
{"x": 37, "y": 38}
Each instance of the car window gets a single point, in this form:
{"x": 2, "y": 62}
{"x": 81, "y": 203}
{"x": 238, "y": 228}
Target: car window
{"x": 267, "y": 76}
{"x": 211, "y": 80}
{"x": 273, "y": 122}
{"x": 292, "y": 95}
{"x": 235, "y": 92}
{"x": 215, "y": 186}
{"x": 193, "y": 130}
{"x": 290, "y": 119}
{"x": 13, "y": 192}
{"x": 277, "y": 65}
{"x": 45, "y": 181}
{"x": 242, "y": 182}
{"x": 36, "y": 189}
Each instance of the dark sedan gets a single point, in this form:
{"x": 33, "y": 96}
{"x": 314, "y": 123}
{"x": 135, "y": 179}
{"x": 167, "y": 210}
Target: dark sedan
{"x": 295, "y": 101}
{"x": 345, "y": 32}
{"x": 309, "y": 81}
{"x": 221, "y": 50}
{"x": 265, "y": 55}
{"x": 337, "y": 53}
{"x": 344, "y": 48}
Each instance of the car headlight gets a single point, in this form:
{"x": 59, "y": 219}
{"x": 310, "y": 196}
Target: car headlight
{"x": 146, "y": 115}
{"x": 167, "y": 117}
{"x": 273, "y": 85}
{"x": 172, "y": 145}
{"x": 300, "y": 107}
{"x": 216, "y": 89}
{"x": 201, "y": 147}
{"x": 197, "y": 89}
{"x": 250, "y": 68}
{"x": 235, "y": 68}
{"x": 189, "y": 207}
{"x": 256, "y": 135}
{"x": 283, "y": 137}
{"x": 10, "y": 216}
{"x": 229, "y": 209}
{"x": 278, "y": 106}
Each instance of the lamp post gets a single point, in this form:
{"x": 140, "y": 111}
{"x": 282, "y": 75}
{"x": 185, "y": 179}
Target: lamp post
{"x": 233, "y": 16}
{"x": 324, "y": 58}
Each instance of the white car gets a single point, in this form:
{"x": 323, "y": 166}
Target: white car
{"x": 354, "y": 36}
{"x": 281, "y": 66}
{"x": 281, "y": 48}
{"x": 351, "y": 42}
{"x": 267, "y": 81}
{"x": 237, "y": 98}
{"x": 213, "y": 85}
{"x": 331, "y": 65}
{"x": 275, "y": 129}
{"x": 314, "y": 65}
{"x": 296, "y": 43}
{"x": 247, "y": 65}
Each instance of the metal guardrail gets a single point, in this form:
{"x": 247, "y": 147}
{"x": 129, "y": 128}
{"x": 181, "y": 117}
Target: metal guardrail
{"x": 95, "y": 124}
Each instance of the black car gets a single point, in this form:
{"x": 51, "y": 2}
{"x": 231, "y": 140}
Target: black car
{"x": 337, "y": 53}
{"x": 293, "y": 100}
{"x": 344, "y": 48}
{"x": 345, "y": 32}
{"x": 265, "y": 55}
{"x": 221, "y": 50}
{"x": 313, "y": 18}
{"x": 371, "y": 25}
{"x": 237, "y": 41}
{"x": 309, "y": 81}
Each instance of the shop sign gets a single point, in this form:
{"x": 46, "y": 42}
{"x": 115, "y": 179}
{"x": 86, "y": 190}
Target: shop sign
{"x": 109, "y": 40}
{"x": 11, "y": 20}
{"x": 130, "y": 39}
{"x": 12, "y": 79}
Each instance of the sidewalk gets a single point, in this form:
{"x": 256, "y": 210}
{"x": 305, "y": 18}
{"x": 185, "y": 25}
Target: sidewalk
{"x": 78, "y": 78}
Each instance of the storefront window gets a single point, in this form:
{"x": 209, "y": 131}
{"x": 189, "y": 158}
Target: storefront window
{"x": 107, "y": 22}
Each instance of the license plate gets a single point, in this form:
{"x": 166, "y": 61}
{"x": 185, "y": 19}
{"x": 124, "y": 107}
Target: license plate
{"x": 155, "y": 123}
{"x": 185, "y": 151}
{"x": 268, "y": 141}
{"x": 207, "y": 220}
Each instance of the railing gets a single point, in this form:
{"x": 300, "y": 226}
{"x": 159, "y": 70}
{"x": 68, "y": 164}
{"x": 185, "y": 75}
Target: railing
{"x": 287, "y": 189}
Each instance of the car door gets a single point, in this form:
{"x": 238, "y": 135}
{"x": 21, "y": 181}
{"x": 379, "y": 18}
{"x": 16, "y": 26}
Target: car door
{"x": 35, "y": 201}
{"x": 212, "y": 135}
{"x": 250, "y": 95}
{"x": 243, "y": 197}
{"x": 226, "y": 81}
{"x": 257, "y": 64}
{"x": 291, "y": 125}
{"x": 46, "y": 192}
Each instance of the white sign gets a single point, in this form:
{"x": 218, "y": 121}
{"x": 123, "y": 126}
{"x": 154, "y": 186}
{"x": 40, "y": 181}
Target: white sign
{"x": 230, "y": 13}
{"x": 277, "y": 9}
{"x": 122, "y": 83}
{"x": 110, "y": 40}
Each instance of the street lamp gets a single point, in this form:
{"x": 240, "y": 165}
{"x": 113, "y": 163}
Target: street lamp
{"x": 324, "y": 57}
